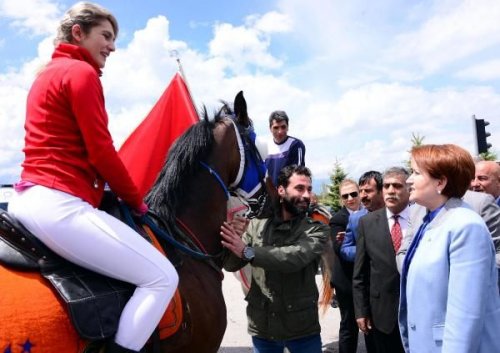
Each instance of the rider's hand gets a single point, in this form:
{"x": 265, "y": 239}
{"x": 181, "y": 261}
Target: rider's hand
{"x": 141, "y": 211}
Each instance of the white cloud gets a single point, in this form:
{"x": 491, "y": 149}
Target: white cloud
{"x": 322, "y": 26}
{"x": 37, "y": 17}
{"x": 243, "y": 46}
{"x": 371, "y": 127}
{"x": 14, "y": 86}
{"x": 12, "y": 108}
{"x": 455, "y": 31}
{"x": 138, "y": 72}
{"x": 271, "y": 22}
{"x": 484, "y": 71}
{"x": 345, "y": 99}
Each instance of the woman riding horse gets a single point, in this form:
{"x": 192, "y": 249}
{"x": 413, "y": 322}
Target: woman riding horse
{"x": 69, "y": 157}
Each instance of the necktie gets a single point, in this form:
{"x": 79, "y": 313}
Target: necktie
{"x": 396, "y": 234}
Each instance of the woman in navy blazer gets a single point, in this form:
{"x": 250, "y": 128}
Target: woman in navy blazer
{"x": 449, "y": 295}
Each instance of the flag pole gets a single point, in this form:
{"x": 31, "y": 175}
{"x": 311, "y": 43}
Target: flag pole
{"x": 175, "y": 54}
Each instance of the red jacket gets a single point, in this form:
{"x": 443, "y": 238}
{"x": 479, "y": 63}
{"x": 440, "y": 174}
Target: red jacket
{"x": 68, "y": 146}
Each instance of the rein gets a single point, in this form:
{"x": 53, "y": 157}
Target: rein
{"x": 148, "y": 221}
{"x": 217, "y": 177}
{"x": 176, "y": 244}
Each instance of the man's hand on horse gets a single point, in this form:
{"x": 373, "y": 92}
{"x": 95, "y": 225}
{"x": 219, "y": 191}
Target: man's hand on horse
{"x": 231, "y": 239}
{"x": 240, "y": 224}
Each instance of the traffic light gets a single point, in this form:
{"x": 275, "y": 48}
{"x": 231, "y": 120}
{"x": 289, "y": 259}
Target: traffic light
{"x": 481, "y": 135}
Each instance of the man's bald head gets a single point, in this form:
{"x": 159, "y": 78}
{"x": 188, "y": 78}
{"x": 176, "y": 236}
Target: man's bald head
{"x": 487, "y": 178}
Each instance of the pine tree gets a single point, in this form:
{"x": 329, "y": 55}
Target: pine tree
{"x": 488, "y": 156}
{"x": 332, "y": 197}
{"x": 416, "y": 140}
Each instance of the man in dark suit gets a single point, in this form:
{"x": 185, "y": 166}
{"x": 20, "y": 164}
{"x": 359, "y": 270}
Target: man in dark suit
{"x": 376, "y": 277}
{"x": 372, "y": 199}
{"x": 342, "y": 269}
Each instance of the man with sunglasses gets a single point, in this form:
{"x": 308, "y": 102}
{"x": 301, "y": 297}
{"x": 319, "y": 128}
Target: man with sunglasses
{"x": 370, "y": 192}
{"x": 282, "y": 149}
{"x": 342, "y": 270}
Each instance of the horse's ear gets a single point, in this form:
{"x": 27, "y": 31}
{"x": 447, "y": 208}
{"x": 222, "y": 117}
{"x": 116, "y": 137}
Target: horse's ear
{"x": 240, "y": 109}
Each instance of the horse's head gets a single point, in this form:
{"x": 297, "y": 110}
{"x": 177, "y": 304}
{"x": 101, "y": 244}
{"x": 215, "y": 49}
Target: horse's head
{"x": 211, "y": 160}
{"x": 249, "y": 185}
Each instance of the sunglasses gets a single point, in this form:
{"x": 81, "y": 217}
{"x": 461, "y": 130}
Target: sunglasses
{"x": 353, "y": 194}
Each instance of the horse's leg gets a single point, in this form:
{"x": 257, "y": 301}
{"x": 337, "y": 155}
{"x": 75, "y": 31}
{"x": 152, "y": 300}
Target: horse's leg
{"x": 201, "y": 290}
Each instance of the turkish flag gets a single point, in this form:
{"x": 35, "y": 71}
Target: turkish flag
{"x": 145, "y": 150}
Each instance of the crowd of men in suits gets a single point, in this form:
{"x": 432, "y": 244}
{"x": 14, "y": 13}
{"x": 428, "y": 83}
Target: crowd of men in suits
{"x": 371, "y": 234}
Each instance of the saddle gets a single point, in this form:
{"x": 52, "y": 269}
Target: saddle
{"x": 94, "y": 302}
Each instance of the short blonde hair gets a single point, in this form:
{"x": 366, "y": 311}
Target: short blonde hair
{"x": 348, "y": 182}
{"x": 87, "y": 15}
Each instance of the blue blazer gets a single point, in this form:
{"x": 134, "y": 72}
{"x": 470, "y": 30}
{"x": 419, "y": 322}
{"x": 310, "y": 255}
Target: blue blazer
{"x": 348, "y": 247}
{"x": 452, "y": 301}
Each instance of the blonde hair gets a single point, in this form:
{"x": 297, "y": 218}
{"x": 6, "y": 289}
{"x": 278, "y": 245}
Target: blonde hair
{"x": 85, "y": 14}
{"x": 348, "y": 182}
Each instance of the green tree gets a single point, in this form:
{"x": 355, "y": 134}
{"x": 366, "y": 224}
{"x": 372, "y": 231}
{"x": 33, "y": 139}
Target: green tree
{"x": 332, "y": 196}
{"x": 488, "y": 156}
{"x": 416, "y": 140}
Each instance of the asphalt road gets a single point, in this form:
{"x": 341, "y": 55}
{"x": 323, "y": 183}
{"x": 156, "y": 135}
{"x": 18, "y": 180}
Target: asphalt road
{"x": 236, "y": 338}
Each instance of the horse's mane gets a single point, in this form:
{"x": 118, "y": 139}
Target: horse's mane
{"x": 182, "y": 164}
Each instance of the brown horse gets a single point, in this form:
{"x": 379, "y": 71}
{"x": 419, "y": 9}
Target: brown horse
{"x": 189, "y": 197}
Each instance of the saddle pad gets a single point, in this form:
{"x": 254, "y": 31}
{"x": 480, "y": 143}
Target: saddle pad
{"x": 172, "y": 319}
{"x": 32, "y": 315}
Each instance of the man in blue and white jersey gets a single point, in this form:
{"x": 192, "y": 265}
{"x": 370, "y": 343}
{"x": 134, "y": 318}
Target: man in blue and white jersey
{"x": 282, "y": 149}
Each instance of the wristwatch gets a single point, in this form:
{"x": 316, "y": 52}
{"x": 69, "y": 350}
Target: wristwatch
{"x": 248, "y": 253}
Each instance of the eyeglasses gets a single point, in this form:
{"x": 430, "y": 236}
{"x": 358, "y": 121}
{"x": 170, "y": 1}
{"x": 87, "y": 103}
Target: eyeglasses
{"x": 353, "y": 194}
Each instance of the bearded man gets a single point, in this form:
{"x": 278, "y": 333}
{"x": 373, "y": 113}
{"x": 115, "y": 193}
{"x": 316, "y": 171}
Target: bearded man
{"x": 284, "y": 252}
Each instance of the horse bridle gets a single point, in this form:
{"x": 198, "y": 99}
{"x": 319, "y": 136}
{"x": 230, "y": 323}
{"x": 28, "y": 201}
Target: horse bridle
{"x": 200, "y": 253}
{"x": 244, "y": 143}
{"x": 217, "y": 177}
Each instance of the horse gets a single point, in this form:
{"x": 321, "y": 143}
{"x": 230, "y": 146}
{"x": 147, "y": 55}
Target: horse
{"x": 189, "y": 197}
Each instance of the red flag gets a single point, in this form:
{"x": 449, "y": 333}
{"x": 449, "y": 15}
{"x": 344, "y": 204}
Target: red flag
{"x": 145, "y": 150}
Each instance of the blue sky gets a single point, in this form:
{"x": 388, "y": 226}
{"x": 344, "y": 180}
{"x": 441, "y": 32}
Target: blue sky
{"x": 356, "y": 78}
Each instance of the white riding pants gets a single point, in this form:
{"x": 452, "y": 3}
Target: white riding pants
{"x": 93, "y": 239}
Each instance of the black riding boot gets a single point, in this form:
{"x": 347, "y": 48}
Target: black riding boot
{"x": 113, "y": 347}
